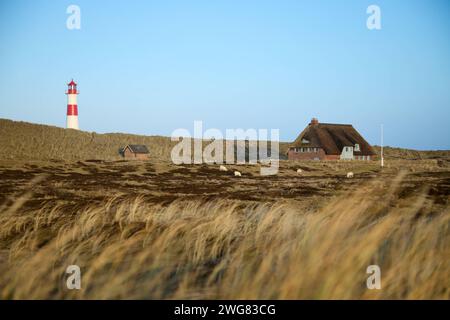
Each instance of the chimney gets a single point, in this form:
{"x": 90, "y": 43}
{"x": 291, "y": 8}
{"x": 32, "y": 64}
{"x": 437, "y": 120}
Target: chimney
{"x": 314, "y": 121}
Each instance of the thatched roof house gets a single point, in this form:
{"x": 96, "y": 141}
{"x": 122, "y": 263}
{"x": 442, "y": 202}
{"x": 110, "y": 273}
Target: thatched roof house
{"x": 329, "y": 141}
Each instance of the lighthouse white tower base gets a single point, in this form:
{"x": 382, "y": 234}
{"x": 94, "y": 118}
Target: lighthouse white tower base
{"x": 72, "y": 122}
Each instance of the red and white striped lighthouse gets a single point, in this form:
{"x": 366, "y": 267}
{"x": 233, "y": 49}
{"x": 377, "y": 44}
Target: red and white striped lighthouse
{"x": 72, "y": 107}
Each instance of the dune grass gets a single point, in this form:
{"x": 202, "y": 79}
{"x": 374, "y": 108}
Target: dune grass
{"x": 28, "y": 141}
{"x": 229, "y": 249}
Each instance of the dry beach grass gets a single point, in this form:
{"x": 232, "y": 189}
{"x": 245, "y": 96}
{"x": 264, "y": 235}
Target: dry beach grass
{"x": 151, "y": 230}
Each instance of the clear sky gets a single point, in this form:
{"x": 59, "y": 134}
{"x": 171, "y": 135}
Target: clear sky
{"x": 150, "y": 67}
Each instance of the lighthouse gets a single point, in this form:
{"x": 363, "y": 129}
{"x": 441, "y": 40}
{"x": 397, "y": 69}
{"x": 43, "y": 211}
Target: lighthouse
{"x": 72, "y": 107}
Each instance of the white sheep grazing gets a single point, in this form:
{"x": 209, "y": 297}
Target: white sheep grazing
{"x": 350, "y": 175}
{"x": 237, "y": 174}
{"x": 299, "y": 170}
{"x": 223, "y": 168}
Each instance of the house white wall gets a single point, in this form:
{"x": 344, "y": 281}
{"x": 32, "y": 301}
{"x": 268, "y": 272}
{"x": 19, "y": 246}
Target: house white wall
{"x": 347, "y": 153}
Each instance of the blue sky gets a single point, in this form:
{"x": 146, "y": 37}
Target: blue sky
{"x": 150, "y": 67}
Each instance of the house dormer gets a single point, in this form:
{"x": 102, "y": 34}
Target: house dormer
{"x": 347, "y": 153}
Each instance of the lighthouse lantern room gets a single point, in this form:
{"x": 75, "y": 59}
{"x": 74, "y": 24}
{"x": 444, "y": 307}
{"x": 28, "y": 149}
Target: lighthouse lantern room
{"x": 72, "y": 107}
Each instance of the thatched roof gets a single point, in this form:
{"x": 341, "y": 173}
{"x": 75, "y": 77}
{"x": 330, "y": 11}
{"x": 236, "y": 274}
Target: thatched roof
{"x": 332, "y": 138}
{"x": 137, "y": 148}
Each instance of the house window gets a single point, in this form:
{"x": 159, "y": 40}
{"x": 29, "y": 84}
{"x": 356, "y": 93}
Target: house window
{"x": 357, "y": 147}
{"x": 368, "y": 157}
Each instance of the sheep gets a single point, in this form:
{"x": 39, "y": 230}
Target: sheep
{"x": 223, "y": 168}
{"x": 350, "y": 175}
{"x": 299, "y": 170}
{"x": 237, "y": 174}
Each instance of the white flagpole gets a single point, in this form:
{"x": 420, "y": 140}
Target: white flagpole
{"x": 382, "y": 155}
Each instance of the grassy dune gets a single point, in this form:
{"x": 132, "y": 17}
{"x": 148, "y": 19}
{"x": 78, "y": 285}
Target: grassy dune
{"x": 27, "y": 141}
{"x": 152, "y": 229}
{"x": 213, "y": 246}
